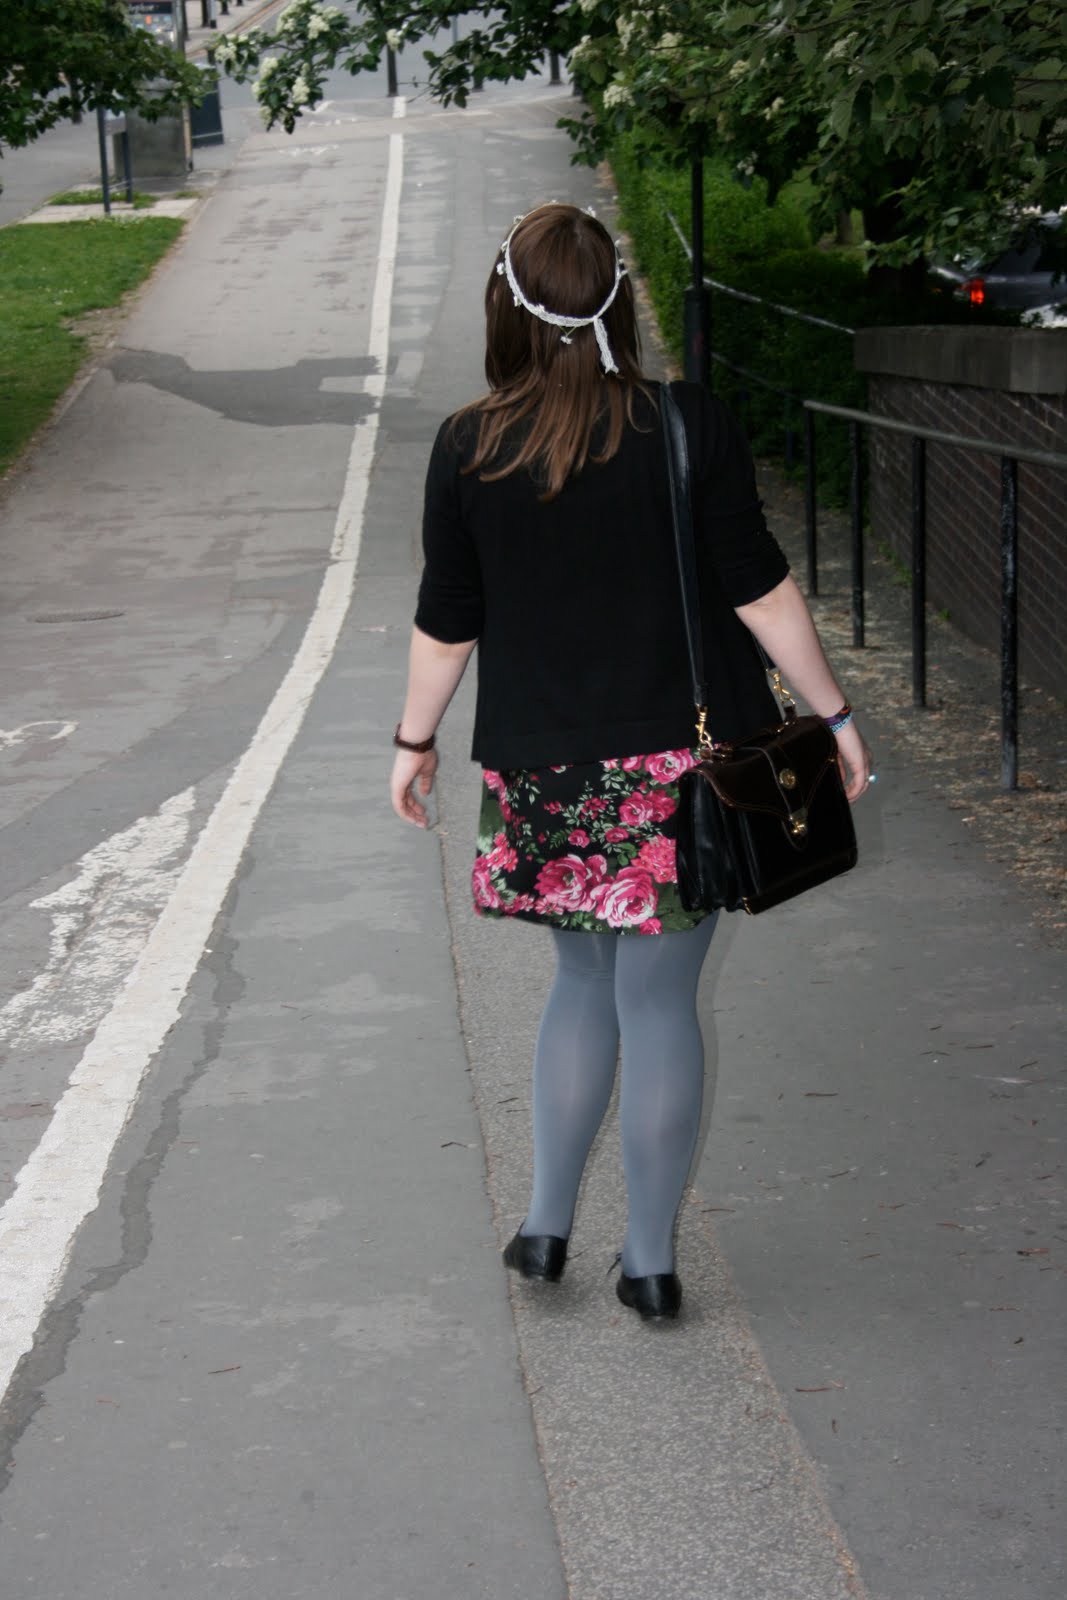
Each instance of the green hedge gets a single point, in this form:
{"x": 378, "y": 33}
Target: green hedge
{"x": 767, "y": 251}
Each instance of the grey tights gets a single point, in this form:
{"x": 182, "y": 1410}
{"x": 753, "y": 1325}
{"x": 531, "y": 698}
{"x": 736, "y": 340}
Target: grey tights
{"x": 643, "y": 990}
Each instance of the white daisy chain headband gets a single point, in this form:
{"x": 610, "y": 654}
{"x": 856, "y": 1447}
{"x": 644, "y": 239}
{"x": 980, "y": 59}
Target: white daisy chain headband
{"x": 569, "y": 324}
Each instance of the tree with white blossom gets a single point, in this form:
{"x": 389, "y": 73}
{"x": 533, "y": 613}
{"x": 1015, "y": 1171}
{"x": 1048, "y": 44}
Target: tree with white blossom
{"x": 940, "y": 119}
{"x": 60, "y": 57}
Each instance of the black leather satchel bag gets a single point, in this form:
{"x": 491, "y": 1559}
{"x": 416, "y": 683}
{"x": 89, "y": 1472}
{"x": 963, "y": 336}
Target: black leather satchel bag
{"x": 763, "y": 818}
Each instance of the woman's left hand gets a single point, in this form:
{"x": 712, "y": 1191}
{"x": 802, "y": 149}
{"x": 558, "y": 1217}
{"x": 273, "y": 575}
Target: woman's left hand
{"x": 854, "y": 761}
{"x": 412, "y": 771}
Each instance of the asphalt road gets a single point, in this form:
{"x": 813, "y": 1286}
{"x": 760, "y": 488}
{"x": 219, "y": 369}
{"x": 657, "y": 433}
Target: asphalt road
{"x": 264, "y": 1106}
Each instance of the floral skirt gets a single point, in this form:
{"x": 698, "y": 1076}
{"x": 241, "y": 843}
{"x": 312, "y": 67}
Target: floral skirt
{"x": 589, "y": 846}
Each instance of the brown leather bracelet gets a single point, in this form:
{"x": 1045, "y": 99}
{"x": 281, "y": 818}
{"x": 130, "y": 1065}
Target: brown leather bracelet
{"x": 419, "y": 749}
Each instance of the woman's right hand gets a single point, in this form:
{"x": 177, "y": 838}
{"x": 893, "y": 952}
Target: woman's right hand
{"x": 412, "y": 770}
{"x": 854, "y": 761}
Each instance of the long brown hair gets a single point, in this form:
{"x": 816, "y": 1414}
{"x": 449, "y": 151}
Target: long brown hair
{"x": 547, "y": 396}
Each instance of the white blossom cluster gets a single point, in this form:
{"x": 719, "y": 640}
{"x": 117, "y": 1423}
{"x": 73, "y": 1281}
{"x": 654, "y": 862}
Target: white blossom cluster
{"x": 617, "y": 94}
{"x": 267, "y": 68}
{"x": 771, "y": 111}
{"x": 841, "y": 47}
{"x": 308, "y": 18}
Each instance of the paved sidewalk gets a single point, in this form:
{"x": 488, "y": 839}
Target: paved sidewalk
{"x": 284, "y": 1358}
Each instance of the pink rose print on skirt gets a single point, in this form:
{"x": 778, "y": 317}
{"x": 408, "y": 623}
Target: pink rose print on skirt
{"x": 567, "y": 884}
{"x": 485, "y": 892}
{"x": 637, "y": 811}
{"x": 659, "y": 857}
{"x": 540, "y": 832}
{"x": 668, "y": 765}
{"x": 502, "y": 856}
{"x": 627, "y": 900}
{"x": 663, "y": 804}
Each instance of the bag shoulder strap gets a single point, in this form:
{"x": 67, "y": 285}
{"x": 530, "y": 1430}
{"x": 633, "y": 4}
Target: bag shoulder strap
{"x": 680, "y": 484}
{"x": 679, "y": 478}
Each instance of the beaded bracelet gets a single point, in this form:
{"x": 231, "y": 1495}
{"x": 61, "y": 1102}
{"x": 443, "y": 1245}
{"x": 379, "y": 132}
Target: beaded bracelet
{"x": 840, "y": 719}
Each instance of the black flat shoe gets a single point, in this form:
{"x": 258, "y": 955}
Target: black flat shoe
{"x": 537, "y": 1255}
{"x": 654, "y": 1297}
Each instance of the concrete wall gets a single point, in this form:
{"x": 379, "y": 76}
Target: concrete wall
{"x": 1005, "y": 384}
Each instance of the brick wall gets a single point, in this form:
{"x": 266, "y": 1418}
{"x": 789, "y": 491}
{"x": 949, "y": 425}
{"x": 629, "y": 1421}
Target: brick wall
{"x": 963, "y": 497}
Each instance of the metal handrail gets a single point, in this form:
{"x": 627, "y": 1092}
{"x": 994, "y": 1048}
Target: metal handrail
{"x": 1010, "y": 455}
{"x": 1044, "y": 458}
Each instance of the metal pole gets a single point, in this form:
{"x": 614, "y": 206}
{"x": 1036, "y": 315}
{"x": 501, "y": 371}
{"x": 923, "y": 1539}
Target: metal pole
{"x": 811, "y": 532}
{"x": 856, "y": 503}
{"x": 105, "y": 176}
{"x": 918, "y": 572}
{"x": 553, "y": 67}
{"x": 697, "y": 306}
{"x": 1009, "y": 622}
{"x": 392, "y": 89}
{"x": 127, "y": 165}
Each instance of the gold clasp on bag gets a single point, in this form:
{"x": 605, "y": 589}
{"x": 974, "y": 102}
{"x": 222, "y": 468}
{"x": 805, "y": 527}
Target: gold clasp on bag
{"x": 704, "y": 741}
{"x": 782, "y": 691}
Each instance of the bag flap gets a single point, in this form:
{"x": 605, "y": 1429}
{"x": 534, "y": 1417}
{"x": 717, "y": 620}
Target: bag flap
{"x": 777, "y": 770}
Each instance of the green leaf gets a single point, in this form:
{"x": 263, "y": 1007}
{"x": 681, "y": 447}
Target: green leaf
{"x": 998, "y": 87}
{"x": 841, "y": 114}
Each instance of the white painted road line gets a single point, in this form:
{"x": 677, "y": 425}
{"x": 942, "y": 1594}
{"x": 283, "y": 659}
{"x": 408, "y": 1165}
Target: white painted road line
{"x": 60, "y": 1183}
{"x": 100, "y": 920}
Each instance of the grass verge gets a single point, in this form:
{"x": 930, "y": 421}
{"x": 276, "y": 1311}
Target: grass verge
{"x": 95, "y": 197}
{"x": 51, "y": 274}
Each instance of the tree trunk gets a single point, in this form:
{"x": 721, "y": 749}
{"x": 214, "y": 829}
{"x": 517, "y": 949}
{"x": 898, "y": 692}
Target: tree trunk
{"x": 882, "y": 225}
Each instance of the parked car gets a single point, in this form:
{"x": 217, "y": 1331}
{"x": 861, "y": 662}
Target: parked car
{"x": 1030, "y": 275}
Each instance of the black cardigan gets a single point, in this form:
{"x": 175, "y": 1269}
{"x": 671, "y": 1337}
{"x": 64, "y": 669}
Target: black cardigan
{"x": 575, "y": 602}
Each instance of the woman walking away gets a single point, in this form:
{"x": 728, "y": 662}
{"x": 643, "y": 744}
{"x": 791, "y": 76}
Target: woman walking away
{"x": 548, "y": 543}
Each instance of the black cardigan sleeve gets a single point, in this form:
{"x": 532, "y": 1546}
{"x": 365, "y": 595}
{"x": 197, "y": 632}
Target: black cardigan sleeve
{"x": 451, "y": 604}
{"x": 747, "y": 559}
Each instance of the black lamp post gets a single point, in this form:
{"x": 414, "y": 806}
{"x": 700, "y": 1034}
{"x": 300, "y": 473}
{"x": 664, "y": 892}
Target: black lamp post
{"x": 697, "y": 305}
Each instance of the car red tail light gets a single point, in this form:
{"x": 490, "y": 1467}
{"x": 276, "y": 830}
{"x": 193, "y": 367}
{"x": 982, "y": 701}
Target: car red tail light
{"x": 974, "y": 289}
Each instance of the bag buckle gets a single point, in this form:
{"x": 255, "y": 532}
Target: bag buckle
{"x": 785, "y": 696}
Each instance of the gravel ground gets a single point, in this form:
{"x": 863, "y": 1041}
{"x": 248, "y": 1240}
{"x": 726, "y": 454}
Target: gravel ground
{"x": 955, "y": 740}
